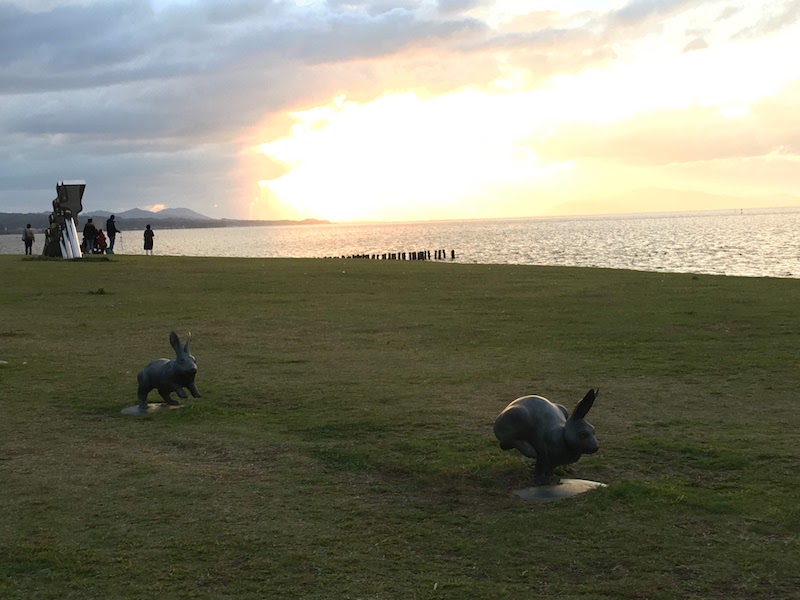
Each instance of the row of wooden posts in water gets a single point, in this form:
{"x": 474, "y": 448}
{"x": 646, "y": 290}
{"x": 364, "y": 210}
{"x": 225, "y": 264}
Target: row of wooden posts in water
{"x": 416, "y": 255}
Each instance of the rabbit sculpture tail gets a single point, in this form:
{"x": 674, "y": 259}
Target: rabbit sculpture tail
{"x": 546, "y": 432}
{"x": 169, "y": 376}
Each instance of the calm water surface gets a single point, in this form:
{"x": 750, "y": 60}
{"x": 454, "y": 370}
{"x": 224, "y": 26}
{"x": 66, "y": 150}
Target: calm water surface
{"x": 755, "y": 243}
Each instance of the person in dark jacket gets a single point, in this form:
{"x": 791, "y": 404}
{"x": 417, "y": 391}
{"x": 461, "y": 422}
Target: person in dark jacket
{"x": 148, "y": 240}
{"x": 111, "y": 231}
{"x": 89, "y": 235}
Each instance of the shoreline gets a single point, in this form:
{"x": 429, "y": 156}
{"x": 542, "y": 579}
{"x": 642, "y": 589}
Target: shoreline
{"x": 748, "y": 246}
{"x": 398, "y": 263}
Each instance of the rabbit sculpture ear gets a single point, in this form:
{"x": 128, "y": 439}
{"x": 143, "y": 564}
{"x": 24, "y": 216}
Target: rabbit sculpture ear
{"x": 186, "y": 346}
{"x": 584, "y": 405}
{"x": 175, "y": 343}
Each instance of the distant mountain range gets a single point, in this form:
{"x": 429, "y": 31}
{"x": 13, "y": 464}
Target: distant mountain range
{"x": 139, "y": 213}
{"x": 137, "y": 218}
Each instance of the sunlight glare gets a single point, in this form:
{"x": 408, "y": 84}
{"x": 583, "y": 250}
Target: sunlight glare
{"x": 404, "y": 157}
{"x": 400, "y": 156}
{"x": 410, "y": 156}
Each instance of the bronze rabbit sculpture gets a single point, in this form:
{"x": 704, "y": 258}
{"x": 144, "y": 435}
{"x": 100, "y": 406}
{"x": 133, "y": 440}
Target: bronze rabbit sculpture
{"x": 545, "y": 431}
{"x": 169, "y": 376}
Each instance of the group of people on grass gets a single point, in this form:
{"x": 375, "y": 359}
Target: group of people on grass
{"x": 94, "y": 240}
{"x": 97, "y": 242}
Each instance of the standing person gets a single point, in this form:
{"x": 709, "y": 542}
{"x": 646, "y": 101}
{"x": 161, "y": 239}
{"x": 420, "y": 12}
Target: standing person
{"x": 89, "y": 234}
{"x": 112, "y": 231}
{"x": 28, "y": 236}
{"x": 148, "y": 240}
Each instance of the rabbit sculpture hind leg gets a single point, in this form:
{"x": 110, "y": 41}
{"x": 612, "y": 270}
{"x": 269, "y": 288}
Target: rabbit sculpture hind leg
{"x": 523, "y": 446}
{"x": 165, "y": 391}
{"x": 141, "y": 395}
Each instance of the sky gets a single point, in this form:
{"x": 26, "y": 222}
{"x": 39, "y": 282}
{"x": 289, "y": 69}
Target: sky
{"x": 354, "y": 110}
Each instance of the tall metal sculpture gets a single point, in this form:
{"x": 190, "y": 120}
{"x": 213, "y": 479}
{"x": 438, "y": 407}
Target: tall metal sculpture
{"x": 61, "y": 235}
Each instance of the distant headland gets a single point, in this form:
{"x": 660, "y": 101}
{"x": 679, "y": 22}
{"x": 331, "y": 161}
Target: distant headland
{"x": 137, "y": 218}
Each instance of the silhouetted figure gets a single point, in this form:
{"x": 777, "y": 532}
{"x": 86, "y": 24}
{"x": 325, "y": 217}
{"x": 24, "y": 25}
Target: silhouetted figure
{"x": 112, "y": 231}
{"x": 148, "y": 240}
{"x": 89, "y": 235}
{"x": 27, "y": 237}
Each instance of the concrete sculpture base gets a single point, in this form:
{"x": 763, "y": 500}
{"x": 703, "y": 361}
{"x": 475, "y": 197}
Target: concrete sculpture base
{"x": 566, "y": 489}
{"x": 151, "y": 408}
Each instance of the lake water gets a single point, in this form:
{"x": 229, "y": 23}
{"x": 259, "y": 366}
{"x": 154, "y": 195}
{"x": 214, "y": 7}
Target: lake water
{"x": 750, "y": 243}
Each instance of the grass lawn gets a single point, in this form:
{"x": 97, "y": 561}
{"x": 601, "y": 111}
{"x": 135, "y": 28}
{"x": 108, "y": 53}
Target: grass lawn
{"x": 343, "y": 446}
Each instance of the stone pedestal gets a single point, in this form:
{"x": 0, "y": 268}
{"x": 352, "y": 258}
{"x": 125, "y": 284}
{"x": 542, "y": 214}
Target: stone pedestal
{"x": 566, "y": 489}
{"x": 151, "y": 408}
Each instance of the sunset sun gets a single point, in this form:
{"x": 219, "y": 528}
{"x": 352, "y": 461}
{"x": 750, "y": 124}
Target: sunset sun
{"x": 403, "y": 157}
